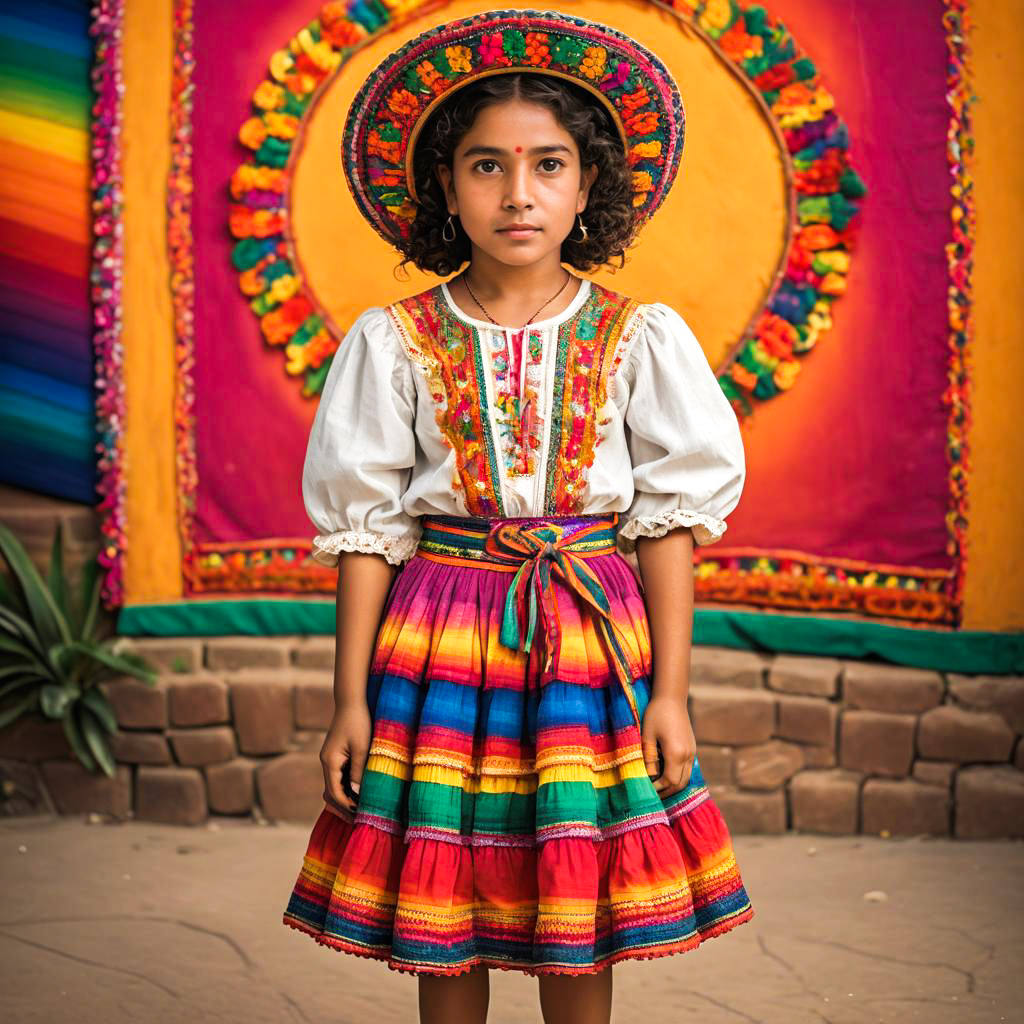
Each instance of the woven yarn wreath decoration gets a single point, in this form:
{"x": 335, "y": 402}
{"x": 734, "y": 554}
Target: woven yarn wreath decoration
{"x": 825, "y": 191}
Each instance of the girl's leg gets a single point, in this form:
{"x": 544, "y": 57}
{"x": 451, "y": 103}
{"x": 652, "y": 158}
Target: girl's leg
{"x": 576, "y": 998}
{"x": 458, "y": 997}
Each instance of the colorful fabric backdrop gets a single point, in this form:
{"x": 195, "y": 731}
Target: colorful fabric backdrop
{"x": 47, "y": 437}
{"x": 812, "y": 241}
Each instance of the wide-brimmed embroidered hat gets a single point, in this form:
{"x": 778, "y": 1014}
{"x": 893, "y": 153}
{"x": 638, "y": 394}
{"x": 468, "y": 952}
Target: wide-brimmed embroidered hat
{"x": 394, "y": 103}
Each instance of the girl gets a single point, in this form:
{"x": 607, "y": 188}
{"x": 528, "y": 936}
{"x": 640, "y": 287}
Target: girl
{"x": 511, "y": 776}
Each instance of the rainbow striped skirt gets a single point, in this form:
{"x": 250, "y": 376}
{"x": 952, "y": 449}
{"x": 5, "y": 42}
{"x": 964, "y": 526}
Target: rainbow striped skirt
{"x": 505, "y": 816}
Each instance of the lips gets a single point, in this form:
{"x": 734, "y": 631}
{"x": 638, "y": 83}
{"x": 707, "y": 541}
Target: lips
{"x": 519, "y": 231}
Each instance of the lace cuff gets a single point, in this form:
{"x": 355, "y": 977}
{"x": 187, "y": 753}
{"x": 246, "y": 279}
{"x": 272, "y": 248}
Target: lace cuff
{"x": 327, "y": 548}
{"x": 706, "y": 529}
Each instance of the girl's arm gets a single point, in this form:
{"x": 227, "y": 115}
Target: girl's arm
{"x": 364, "y": 581}
{"x": 666, "y": 566}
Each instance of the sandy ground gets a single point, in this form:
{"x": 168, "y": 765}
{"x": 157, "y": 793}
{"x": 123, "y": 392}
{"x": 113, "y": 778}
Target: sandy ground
{"x": 150, "y": 923}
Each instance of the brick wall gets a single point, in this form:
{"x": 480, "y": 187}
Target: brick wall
{"x": 235, "y": 725}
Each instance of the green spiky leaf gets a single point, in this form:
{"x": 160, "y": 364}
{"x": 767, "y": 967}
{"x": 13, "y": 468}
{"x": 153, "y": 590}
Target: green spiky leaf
{"x": 55, "y": 580}
{"x": 89, "y": 602}
{"x": 54, "y": 700}
{"x": 98, "y": 704}
{"x": 44, "y": 615}
{"x": 128, "y": 663}
{"x": 74, "y": 736}
{"x": 95, "y": 739}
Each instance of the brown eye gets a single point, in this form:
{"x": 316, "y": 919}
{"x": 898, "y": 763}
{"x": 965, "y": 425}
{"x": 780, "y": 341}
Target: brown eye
{"x": 551, "y": 160}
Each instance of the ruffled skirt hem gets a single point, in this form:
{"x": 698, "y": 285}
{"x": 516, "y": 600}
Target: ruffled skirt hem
{"x": 653, "y": 890}
{"x": 532, "y": 968}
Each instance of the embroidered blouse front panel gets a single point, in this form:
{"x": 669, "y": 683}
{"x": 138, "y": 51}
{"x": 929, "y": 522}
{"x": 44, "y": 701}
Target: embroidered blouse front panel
{"x": 529, "y": 454}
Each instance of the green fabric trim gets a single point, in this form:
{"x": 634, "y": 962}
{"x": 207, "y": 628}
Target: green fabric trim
{"x": 970, "y": 651}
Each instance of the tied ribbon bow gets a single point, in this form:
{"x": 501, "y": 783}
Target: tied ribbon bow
{"x": 546, "y": 552}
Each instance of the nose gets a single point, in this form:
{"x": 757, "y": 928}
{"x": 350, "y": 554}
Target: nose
{"x": 518, "y": 193}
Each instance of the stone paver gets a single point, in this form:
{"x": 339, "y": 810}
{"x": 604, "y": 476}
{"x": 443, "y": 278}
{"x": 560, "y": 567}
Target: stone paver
{"x": 141, "y": 921}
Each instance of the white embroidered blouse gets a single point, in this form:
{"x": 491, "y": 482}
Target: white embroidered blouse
{"x": 419, "y": 414}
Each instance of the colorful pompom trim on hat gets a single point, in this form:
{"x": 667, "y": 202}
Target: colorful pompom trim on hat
{"x": 394, "y": 103}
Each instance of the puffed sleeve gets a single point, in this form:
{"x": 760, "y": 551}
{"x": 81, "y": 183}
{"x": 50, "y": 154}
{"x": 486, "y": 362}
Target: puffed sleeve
{"x": 362, "y": 448}
{"x": 683, "y": 436}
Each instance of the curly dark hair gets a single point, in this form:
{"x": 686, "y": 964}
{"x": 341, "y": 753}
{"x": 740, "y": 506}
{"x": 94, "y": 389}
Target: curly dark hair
{"x": 609, "y": 217}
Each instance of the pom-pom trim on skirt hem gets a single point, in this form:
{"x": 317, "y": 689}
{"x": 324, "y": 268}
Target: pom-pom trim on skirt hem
{"x": 524, "y": 967}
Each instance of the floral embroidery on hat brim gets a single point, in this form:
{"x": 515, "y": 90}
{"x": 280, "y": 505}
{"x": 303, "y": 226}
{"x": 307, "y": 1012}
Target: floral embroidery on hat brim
{"x": 391, "y": 108}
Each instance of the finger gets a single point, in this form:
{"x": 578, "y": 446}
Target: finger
{"x": 337, "y": 811}
{"x": 342, "y": 810}
{"x": 661, "y": 783}
{"x": 677, "y": 774}
{"x": 671, "y": 772}
{"x": 650, "y": 753}
{"x": 334, "y": 790}
{"x": 339, "y": 798}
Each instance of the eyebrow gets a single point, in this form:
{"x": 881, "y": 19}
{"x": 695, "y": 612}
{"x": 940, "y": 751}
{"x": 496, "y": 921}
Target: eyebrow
{"x": 497, "y": 151}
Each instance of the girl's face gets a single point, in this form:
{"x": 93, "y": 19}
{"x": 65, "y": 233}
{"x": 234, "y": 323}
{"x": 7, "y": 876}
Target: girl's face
{"x": 517, "y": 166}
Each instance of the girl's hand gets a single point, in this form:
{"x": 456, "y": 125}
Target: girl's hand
{"x": 347, "y": 743}
{"x": 667, "y": 724}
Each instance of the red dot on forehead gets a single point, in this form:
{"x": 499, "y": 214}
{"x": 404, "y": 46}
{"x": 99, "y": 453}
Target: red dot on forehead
{"x": 519, "y": 149}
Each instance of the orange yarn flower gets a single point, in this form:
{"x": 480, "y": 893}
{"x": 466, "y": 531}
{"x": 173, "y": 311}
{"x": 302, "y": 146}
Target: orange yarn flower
{"x": 459, "y": 58}
{"x": 785, "y": 373}
{"x": 280, "y": 324}
{"x": 428, "y": 74}
{"x": 242, "y": 180}
{"x": 537, "y": 51}
{"x": 386, "y": 149}
{"x": 252, "y": 281}
{"x": 252, "y": 133}
{"x": 644, "y": 123}
{"x": 344, "y": 34}
{"x": 320, "y": 347}
{"x": 634, "y": 100}
{"x": 743, "y": 377}
{"x": 275, "y": 329}
{"x": 817, "y": 236}
{"x": 593, "y": 63}
{"x": 403, "y": 103}
{"x": 776, "y": 334}
{"x": 833, "y": 284}
{"x": 281, "y": 126}
{"x": 740, "y": 46}
{"x": 301, "y": 83}
{"x": 644, "y": 151}
{"x": 268, "y": 96}
{"x": 336, "y": 26}
{"x": 264, "y": 223}
{"x": 642, "y": 181}
{"x": 240, "y": 221}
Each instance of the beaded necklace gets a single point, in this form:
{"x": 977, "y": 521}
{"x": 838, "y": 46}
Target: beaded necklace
{"x": 465, "y": 281}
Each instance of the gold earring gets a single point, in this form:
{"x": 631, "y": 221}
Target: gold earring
{"x": 448, "y": 224}
{"x": 583, "y": 228}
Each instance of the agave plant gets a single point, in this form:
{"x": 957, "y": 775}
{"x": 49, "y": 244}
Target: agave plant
{"x": 51, "y": 659}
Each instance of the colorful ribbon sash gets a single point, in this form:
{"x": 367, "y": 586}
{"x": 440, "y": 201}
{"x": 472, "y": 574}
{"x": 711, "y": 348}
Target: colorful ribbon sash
{"x": 543, "y": 552}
